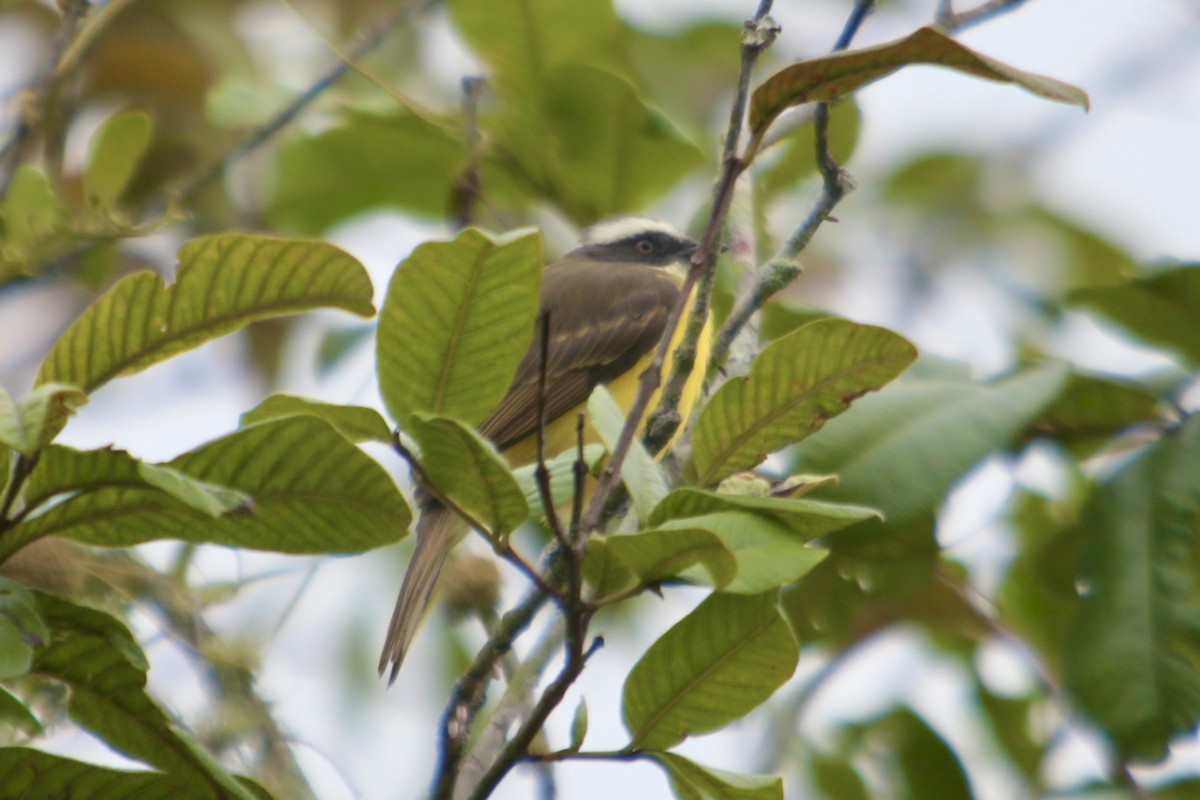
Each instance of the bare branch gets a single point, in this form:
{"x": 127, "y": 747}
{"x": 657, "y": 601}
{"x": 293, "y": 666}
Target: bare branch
{"x": 541, "y": 472}
{"x": 467, "y": 696}
{"x": 469, "y": 185}
{"x": 518, "y": 745}
{"x": 950, "y": 21}
{"x": 760, "y": 32}
{"x": 33, "y": 111}
{"x": 785, "y": 266}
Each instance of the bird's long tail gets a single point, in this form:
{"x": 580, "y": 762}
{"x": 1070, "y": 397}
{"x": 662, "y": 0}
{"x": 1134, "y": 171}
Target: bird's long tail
{"x": 438, "y": 530}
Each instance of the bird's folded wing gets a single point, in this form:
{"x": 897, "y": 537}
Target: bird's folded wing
{"x": 603, "y": 319}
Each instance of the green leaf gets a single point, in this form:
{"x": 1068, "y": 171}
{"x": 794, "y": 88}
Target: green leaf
{"x": 336, "y": 345}
{"x": 1092, "y": 409}
{"x": 223, "y": 282}
{"x": 369, "y": 161}
{"x": 713, "y": 667}
{"x": 836, "y": 777}
{"x": 1133, "y": 650}
{"x": 692, "y": 781}
{"x": 827, "y": 78}
{"x": 207, "y": 498}
{"x": 28, "y": 773}
{"x": 456, "y": 322}
{"x": 15, "y": 715}
{"x": 30, "y": 208}
{"x": 465, "y": 468}
{"x": 656, "y": 555}
{"x": 1038, "y": 598}
{"x": 523, "y": 40}
{"x": 116, "y": 152}
{"x": 929, "y": 767}
{"x": 32, "y": 422}
{"x": 795, "y": 385}
{"x": 768, "y": 536}
{"x": 806, "y": 519}
{"x": 1012, "y": 722}
{"x": 593, "y": 146}
{"x": 768, "y": 553}
{"x": 639, "y": 472}
{"x": 63, "y": 471}
{"x": 562, "y": 476}
{"x": 903, "y": 449}
{"x": 1092, "y": 259}
{"x": 579, "y": 726}
{"x": 1163, "y": 309}
{"x": 313, "y": 492}
{"x": 21, "y": 629}
{"x": 98, "y": 659}
{"x": 681, "y": 65}
{"x": 356, "y": 423}
{"x": 603, "y": 571}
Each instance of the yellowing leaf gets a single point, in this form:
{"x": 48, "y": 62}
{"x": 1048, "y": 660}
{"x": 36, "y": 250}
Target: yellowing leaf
{"x": 827, "y": 78}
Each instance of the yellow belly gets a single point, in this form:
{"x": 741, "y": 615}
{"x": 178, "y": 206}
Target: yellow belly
{"x": 560, "y": 432}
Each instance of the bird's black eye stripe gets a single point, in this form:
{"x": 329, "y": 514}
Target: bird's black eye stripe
{"x": 649, "y": 242}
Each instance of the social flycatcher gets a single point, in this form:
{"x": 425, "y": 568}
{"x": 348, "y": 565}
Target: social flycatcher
{"x": 608, "y": 302}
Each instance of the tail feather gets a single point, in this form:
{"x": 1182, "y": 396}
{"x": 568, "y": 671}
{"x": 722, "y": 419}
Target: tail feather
{"x": 438, "y": 530}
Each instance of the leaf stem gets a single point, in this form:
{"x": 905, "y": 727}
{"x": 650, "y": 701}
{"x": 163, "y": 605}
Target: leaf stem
{"x": 21, "y": 470}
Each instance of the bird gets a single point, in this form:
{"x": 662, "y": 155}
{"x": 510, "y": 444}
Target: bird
{"x": 606, "y": 303}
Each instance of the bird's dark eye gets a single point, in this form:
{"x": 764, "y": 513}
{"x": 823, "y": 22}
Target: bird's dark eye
{"x": 645, "y": 246}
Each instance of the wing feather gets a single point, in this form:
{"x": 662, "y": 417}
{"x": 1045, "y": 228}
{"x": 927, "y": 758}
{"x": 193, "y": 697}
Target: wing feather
{"x": 604, "y": 317}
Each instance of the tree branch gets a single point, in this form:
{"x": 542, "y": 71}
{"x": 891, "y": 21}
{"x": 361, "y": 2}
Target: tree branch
{"x": 33, "y": 111}
{"x": 950, "y": 21}
{"x": 518, "y": 745}
{"x": 759, "y": 33}
{"x": 467, "y": 696}
{"x": 469, "y": 184}
{"x": 836, "y": 183}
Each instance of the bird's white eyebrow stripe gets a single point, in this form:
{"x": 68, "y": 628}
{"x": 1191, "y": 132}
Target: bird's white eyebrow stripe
{"x": 614, "y": 230}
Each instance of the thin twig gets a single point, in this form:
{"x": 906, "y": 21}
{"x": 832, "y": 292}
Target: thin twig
{"x": 785, "y": 266}
{"x": 33, "y": 110}
{"x": 541, "y": 472}
{"x": 949, "y": 21}
{"x": 518, "y": 746}
{"x": 467, "y": 695}
{"x": 21, "y": 470}
{"x": 587, "y": 755}
{"x": 760, "y": 32}
{"x": 579, "y": 473}
{"x": 469, "y": 185}
{"x": 858, "y": 16}
{"x": 517, "y": 697}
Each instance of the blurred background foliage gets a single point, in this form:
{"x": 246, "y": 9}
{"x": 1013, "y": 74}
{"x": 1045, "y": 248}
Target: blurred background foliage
{"x": 1039, "y": 467}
